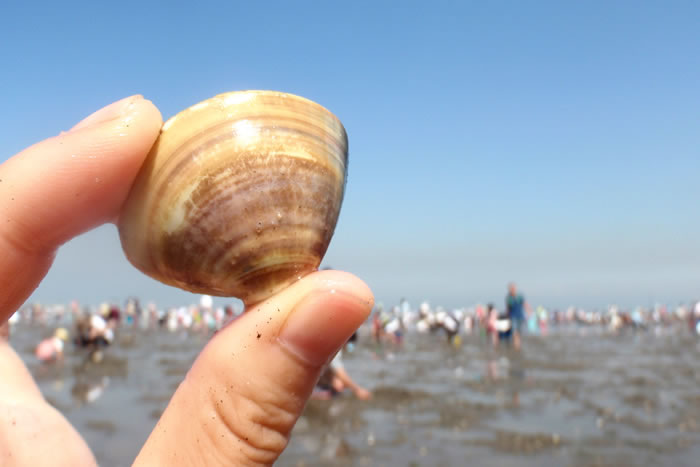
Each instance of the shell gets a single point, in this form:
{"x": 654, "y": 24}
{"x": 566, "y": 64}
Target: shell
{"x": 239, "y": 196}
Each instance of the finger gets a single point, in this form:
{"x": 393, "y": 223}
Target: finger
{"x": 65, "y": 185}
{"x": 27, "y": 416}
{"x": 243, "y": 395}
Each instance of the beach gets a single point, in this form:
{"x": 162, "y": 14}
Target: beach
{"x": 577, "y": 397}
{"x": 510, "y": 186}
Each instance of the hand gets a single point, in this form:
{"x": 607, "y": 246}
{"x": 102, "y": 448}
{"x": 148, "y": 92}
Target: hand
{"x": 363, "y": 394}
{"x": 244, "y": 393}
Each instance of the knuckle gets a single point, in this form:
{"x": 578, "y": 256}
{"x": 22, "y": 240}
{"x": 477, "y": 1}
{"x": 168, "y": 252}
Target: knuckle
{"x": 258, "y": 421}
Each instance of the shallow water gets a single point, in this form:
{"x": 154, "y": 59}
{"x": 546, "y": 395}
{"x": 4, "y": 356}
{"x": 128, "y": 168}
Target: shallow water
{"x": 571, "y": 399}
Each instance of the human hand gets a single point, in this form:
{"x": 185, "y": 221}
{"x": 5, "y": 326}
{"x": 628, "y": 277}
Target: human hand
{"x": 244, "y": 393}
{"x": 363, "y": 394}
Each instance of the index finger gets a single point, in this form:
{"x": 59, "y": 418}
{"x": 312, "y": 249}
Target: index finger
{"x": 66, "y": 185}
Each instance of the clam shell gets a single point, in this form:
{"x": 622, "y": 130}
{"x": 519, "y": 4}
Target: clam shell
{"x": 239, "y": 196}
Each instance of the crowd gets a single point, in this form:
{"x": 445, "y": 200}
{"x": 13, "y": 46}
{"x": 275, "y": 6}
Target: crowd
{"x": 94, "y": 328}
{"x": 91, "y": 322}
{"x": 515, "y": 318}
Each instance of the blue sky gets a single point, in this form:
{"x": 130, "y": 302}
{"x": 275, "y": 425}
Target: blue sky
{"x": 550, "y": 143}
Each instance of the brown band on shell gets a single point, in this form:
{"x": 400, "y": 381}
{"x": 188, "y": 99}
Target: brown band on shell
{"x": 238, "y": 200}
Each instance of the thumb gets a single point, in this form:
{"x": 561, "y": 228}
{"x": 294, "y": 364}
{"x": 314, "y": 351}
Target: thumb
{"x": 244, "y": 393}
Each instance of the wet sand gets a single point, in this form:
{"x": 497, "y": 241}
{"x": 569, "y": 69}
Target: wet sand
{"x": 566, "y": 400}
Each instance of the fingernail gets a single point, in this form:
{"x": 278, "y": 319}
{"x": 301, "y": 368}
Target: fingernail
{"x": 321, "y": 323}
{"x": 111, "y": 112}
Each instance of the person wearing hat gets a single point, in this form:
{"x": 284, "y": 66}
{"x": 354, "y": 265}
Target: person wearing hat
{"x": 51, "y": 348}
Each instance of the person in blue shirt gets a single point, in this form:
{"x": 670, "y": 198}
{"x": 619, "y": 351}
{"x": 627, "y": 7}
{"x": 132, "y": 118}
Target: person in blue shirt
{"x": 515, "y": 308}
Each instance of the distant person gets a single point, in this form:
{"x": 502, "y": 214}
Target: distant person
{"x": 93, "y": 331}
{"x": 498, "y": 325}
{"x": 448, "y": 323}
{"x": 132, "y": 310}
{"x": 377, "y": 326}
{"x": 101, "y": 331}
{"x": 393, "y": 327}
{"x": 515, "y": 309}
{"x": 335, "y": 379}
{"x": 51, "y": 348}
{"x": 491, "y": 324}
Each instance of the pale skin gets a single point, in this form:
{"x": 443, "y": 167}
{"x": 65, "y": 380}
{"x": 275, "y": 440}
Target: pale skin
{"x": 241, "y": 398}
{"x": 342, "y": 380}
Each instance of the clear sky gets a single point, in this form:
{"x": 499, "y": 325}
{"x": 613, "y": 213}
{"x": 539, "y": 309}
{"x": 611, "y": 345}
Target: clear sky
{"x": 552, "y": 143}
